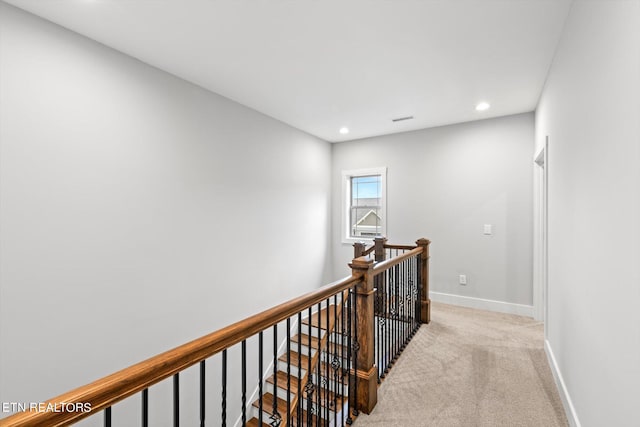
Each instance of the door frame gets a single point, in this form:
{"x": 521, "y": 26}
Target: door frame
{"x": 540, "y": 235}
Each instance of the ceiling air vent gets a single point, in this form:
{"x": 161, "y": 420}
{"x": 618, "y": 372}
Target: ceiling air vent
{"x": 400, "y": 119}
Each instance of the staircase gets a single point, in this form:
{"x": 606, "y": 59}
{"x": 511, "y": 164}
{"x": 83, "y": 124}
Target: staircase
{"x": 340, "y": 341}
{"x": 311, "y": 374}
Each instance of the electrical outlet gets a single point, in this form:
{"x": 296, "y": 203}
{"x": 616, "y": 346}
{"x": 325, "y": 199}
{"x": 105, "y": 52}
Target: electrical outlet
{"x": 463, "y": 279}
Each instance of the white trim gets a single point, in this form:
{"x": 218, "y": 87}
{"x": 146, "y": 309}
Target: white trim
{"x": 346, "y": 175}
{"x": 540, "y": 234}
{"x": 569, "y": 409}
{"x": 483, "y": 304}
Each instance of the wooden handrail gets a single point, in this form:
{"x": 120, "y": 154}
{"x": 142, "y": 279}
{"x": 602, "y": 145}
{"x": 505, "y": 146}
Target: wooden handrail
{"x": 387, "y": 264}
{"x": 401, "y": 247}
{"x": 107, "y": 391}
{"x": 113, "y": 388}
{"x": 368, "y": 251}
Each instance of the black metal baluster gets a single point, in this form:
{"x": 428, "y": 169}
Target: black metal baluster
{"x": 378, "y": 333}
{"x": 349, "y": 358}
{"x": 202, "y": 393}
{"x": 309, "y": 387}
{"x": 275, "y": 415}
{"x": 392, "y": 319}
{"x": 224, "y": 388}
{"x": 300, "y": 401}
{"x": 356, "y": 348}
{"x": 334, "y": 360}
{"x": 405, "y": 300}
{"x": 319, "y": 369}
{"x": 396, "y": 292}
{"x": 176, "y": 400}
{"x": 410, "y": 297}
{"x": 416, "y": 284}
{"x": 387, "y": 321}
{"x": 410, "y": 307}
{"x": 385, "y": 325}
{"x": 402, "y": 303}
{"x": 414, "y": 292}
{"x": 413, "y": 296}
{"x": 407, "y": 303}
{"x": 389, "y": 317}
{"x": 392, "y": 309}
{"x": 322, "y": 396}
{"x": 400, "y": 306}
{"x": 419, "y": 286}
{"x": 327, "y": 363}
{"x": 343, "y": 357}
{"x": 145, "y": 407}
{"x": 381, "y": 324}
{"x": 288, "y": 371}
{"x": 260, "y": 373}
{"x": 107, "y": 417}
{"x": 397, "y": 315}
{"x": 394, "y": 284}
{"x": 244, "y": 382}
{"x": 376, "y": 324}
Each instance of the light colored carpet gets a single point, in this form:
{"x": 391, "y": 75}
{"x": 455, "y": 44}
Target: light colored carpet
{"x": 470, "y": 368}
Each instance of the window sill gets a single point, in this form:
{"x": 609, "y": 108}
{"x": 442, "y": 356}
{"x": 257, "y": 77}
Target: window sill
{"x": 352, "y": 240}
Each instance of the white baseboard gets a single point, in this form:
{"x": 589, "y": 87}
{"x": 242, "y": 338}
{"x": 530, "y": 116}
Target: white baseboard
{"x": 483, "y": 304}
{"x": 569, "y": 409}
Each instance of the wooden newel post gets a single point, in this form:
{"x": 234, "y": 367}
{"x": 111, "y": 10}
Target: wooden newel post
{"x": 358, "y": 249}
{"x": 378, "y": 249}
{"x": 366, "y": 371}
{"x": 425, "y": 303}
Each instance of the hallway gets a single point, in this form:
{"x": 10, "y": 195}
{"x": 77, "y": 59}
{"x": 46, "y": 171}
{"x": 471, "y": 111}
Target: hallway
{"x": 470, "y": 368}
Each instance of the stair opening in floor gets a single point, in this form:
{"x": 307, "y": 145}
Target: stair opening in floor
{"x": 315, "y": 360}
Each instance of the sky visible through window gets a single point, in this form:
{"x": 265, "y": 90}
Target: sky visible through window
{"x": 366, "y": 187}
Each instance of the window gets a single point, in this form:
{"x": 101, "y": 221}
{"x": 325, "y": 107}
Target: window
{"x": 364, "y": 211}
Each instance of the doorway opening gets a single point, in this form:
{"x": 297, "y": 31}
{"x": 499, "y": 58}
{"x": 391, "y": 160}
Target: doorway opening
{"x": 540, "y": 243}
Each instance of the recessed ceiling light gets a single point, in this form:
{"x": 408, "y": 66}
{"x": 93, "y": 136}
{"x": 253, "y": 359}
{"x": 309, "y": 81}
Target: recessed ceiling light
{"x": 344, "y": 130}
{"x": 482, "y": 106}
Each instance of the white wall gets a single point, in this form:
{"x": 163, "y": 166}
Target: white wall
{"x": 137, "y": 211}
{"x": 444, "y": 184}
{"x": 590, "y": 111}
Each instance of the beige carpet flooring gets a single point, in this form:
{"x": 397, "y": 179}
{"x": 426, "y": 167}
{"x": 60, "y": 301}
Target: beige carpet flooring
{"x": 470, "y": 368}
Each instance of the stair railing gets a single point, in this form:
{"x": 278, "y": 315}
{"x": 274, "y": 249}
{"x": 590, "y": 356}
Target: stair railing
{"x": 382, "y": 251}
{"x": 339, "y": 341}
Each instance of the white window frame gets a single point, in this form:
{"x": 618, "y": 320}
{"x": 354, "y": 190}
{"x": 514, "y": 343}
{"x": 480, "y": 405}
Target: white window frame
{"x": 346, "y": 201}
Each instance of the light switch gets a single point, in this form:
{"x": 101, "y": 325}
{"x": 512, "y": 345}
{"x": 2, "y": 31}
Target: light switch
{"x": 488, "y": 229}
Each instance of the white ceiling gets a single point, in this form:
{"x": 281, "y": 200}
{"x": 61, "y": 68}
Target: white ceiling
{"x": 322, "y": 64}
